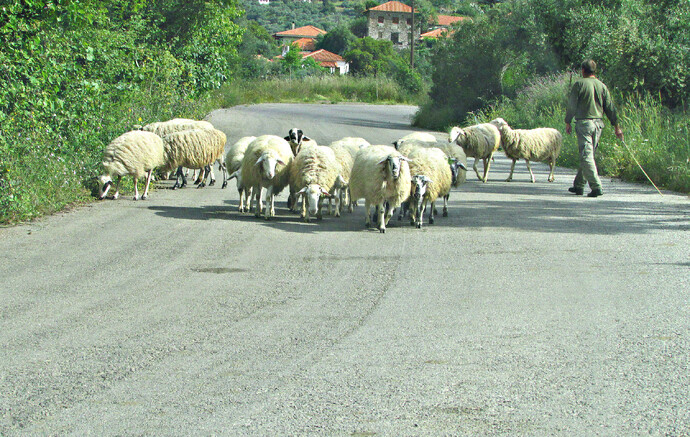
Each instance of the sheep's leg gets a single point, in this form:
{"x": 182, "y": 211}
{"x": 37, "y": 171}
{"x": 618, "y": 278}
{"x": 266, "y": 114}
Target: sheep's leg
{"x": 350, "y": 204}
{"x": 431, "y": 216}
{"x": 403, "y": 207}
{"x": 269, "y": 203}
{"x": 136, "y": 188}
{"x": 487, "y": 166}
{"x": 474, "y": 166}
{"x": 512, "y": 168}
{"x": 146, "y": 189}
{"x": 389, "y": 212}
{"x": 445, "y": 205}
{"x": 552, "y": 164}
{"x": 382, "y": 217}
{"x": 209, "y": 172}
{"x": 204, "y": 175}
{"x": 117, "y": 188}
{"x": 338, "y": 201}
{"x": 259, "y": 202}
{"x": 367, "y": 216}
{"x": 224, "y": 168}
{"x": 530, "y": 170}
{"x": 241, "y": 207}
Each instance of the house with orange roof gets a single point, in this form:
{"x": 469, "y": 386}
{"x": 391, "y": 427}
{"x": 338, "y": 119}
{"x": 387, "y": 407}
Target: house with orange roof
{"x": 329, "y": 60}
{"x": 289, "y": 36}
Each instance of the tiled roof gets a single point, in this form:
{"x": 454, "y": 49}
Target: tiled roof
{"x": 304, "y": 31}
{"x": 305, "y": 44}
{"x": 324, "y": 56}
{"x": 437, "y": 33}
{"x": 447, "y": 20}
{"x": 393, "y": 6}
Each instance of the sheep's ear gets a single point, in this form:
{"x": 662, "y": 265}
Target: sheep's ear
{"x": 405, "y": 158}
{"x": 461, "y": 165}
{"x": 306, "y": 138}
{"x": 396, "y": 145}
{"x": 280, "y": 161}
{"x": 428, "y": 181}
{"x": 287, "y": 138}
{"x": 299, "y": 132}
{"x": 383, "y": 160}
{"x": 234, "y": 175}
{"x": 302, "y": 191}
{"x": 259, "y": 161}
{"x": 325, "y": 192}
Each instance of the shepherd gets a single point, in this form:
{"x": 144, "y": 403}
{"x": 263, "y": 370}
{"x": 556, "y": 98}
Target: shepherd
{"x": 589, "y": 100}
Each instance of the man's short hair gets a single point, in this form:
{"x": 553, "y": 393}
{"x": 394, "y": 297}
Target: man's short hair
{"x": 589, "y": 67}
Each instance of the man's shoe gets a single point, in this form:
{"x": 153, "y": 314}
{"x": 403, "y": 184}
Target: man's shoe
{"x": 595, "y": 193}
{"x": 578, "y": 191}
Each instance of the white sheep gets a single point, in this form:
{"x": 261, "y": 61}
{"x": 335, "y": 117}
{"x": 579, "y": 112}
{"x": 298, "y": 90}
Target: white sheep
{"x": 345, "y": 150}
{"x": 266, "y": 164}
{"x": 542, "y": 144}
{"x": 162, "y": 128}
{"x": 431, "y": 179}
{"x": 456, "y": 156}
{"x": 133, "y": 153}
{"x": 480, "y": 141}
{"x": 233, "y": 163}
{"x": 194, "y": 148}
{"x": 380, "y": 175}
{"x": 314, "y": 174}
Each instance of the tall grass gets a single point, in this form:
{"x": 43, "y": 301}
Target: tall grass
{"x": 333, "y": 89}
{"x": 658, "y": 137}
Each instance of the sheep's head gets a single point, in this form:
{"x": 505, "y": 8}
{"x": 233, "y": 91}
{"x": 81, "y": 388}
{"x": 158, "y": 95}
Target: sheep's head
{"x": 457, "y": 134}
{"x": 295, "y": 137}
{"x": 105, "y": 182}
{"x": 394, "y": 164}
{"x": 499, "y": 123}
{"x": 455, "y": 167}
{"x": 420, "y": 184}
{"x": 268, "y": 164}
{"x": 312, "y": 193}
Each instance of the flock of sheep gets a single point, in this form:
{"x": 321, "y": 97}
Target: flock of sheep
{"x": 412, "y": 174}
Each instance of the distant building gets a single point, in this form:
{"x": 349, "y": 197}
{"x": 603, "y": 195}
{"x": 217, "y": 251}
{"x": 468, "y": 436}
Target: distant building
{"x": 391, "y": 21}
{"x": 264, "y": 2}
{"x": 330, "y": 60}
{"x": 289, "y": 36}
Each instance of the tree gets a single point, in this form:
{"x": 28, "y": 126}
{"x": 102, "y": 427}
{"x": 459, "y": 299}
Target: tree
{"x": 337, "y": 40}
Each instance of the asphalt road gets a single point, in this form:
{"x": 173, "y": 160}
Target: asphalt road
{"x": 527, "y": 311}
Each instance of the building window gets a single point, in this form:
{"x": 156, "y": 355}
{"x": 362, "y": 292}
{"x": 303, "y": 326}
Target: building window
{"x": 395, "y": 20}
{"x": 380, "y": 20}
{"x": 380, "y": 35}
{"x": 395, "y": 37}
{"x": 409, "y": 21}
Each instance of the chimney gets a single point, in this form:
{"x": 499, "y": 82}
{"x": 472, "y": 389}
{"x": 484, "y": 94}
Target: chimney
{"x": 293, "y": 26}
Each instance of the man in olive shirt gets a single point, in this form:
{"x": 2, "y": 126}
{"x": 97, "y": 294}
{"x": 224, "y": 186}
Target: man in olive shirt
{"x": 589, "y": 101}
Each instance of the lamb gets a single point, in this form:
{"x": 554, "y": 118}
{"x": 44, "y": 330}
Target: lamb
{"x": 233, "y": 162}
{"x": 380, "y": 175}
{"x": 133, "y": 153}
{"x": 194, "y": 148}
{"x": 345, "y": 150}
{"x": 315, "y": 173}
{"x": 480, "y": 141}
{"x": 296, "y": 138}
{"x": 431, "y": 179}
{"x": 541, "y": 144}
{"x": 266, "y": 164}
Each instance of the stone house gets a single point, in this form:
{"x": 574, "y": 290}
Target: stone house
{"x": 391, "y": 21}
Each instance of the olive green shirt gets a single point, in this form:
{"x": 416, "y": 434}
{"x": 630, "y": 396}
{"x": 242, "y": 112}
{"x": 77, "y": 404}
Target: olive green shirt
{"x": 589, "y": 98}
